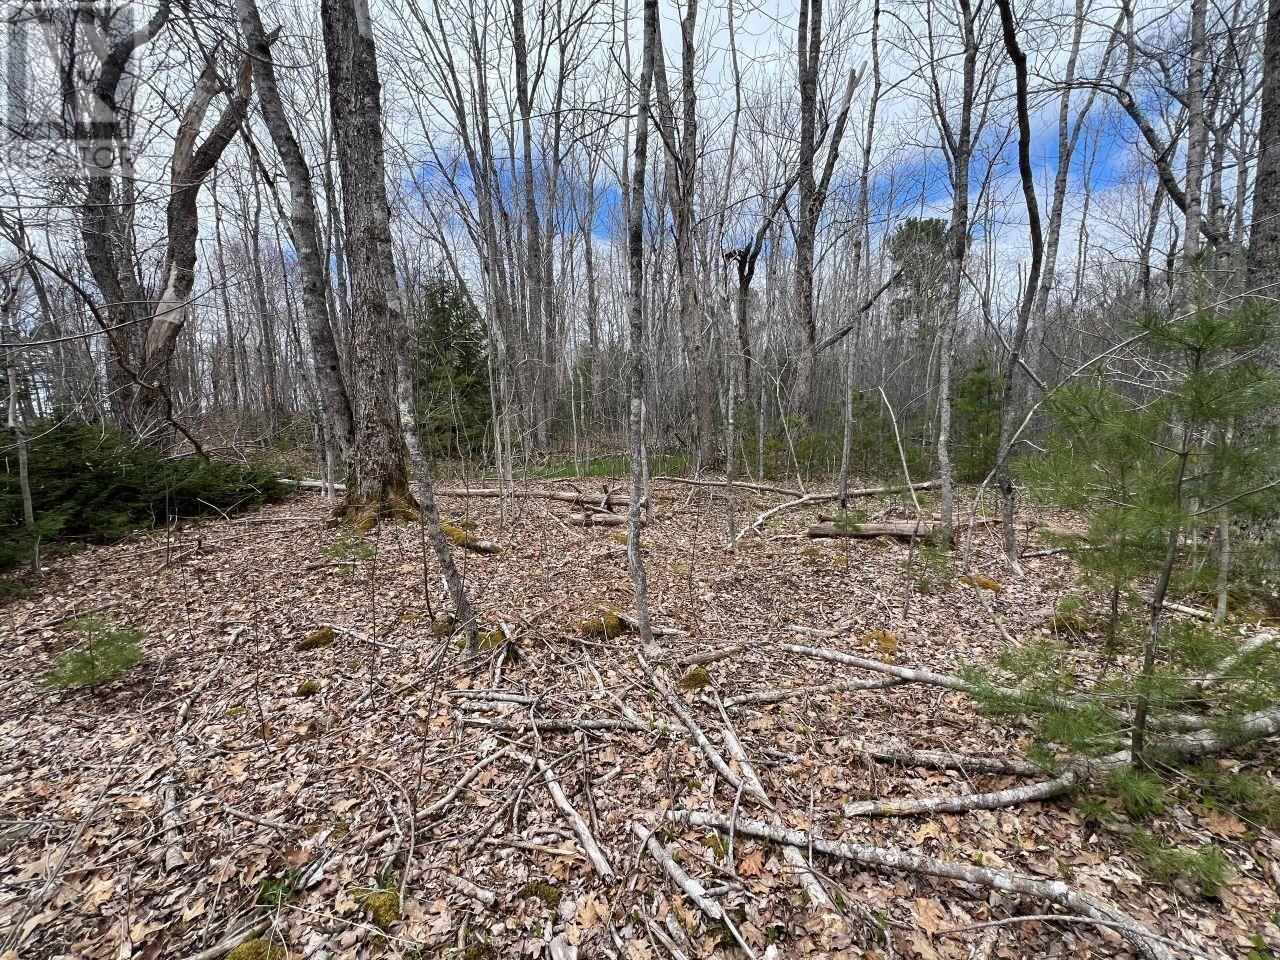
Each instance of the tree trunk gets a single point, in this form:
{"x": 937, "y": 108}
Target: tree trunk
{"x": 304, "y": 231}
{"x": 1264, "y": 234}
{"x": 635, "y": 318}
{"x": 808, "y": 51}
{"x": 379, "y": 478}
{"x": 1008, "y": 406}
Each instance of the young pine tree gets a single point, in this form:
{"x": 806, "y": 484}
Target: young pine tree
{"x": 1155, "y": 466}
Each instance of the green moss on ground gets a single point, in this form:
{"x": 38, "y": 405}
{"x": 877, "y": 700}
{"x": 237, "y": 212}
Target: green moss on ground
{"x": 543, "y": 891}
{"x": 258, "y": 949}
{"x": 604, "y": 623}
{"x": 317, "y": 639}
{"x": 308, "y": 688}
{"x": 696, "y": 679}
{"x": 383, "y": 908}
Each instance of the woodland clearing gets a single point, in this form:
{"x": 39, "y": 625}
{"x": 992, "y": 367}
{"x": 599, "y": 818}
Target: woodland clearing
{"x": 204, "y": 798}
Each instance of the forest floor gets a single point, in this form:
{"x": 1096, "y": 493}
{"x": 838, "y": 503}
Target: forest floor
{"x": 203, "y": 794}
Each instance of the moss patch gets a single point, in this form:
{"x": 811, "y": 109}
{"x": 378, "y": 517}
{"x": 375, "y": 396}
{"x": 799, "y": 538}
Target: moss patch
{"x": 316, "y": 639}
{"x": 604, "y": 623}
{"x": 383, "y": 908}
{"x": 466, "y": 523}
{"x": 485, "y": 640}
{"x": 695, "y": 679}
{"x": 443, "y": 626}
{"x": 543, "y": 891}
{"x": 258, "y": 949}
{"x": 978, "y": 580}
{"x": 459, "y": 535}
{"x": 308, "y": 688}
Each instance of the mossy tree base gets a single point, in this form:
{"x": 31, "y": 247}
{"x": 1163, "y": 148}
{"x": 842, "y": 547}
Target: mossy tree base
{"x": 365, "y": 513}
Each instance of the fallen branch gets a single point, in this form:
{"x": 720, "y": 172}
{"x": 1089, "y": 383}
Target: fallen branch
{"x": 589, "y": 845}
{"x": 708, "y": 749}
{"x": 818, "y": 497}
{"x": 598, "y": 519}
{"x": 946, "y": 760}
{"x": 634, "y": 625}
{"x": 557, "y": 724}
{"x": 711, "y": 656}
{"x": 172, "y": 858}
{"x": 773, "y": 696}
{"x": 1059, "y": 918}
{"x": 757, "y": 525}
{"x": 464, "y": 781}
{"x": 691, "y": 888}
{"x": 966, "y": 802}
{"x": 1230, "y": 662}
{"x": 225, "y": 946}
{"x": 475, "y": 892}
{"x": 606, "y": 500}
{"x": 357, "y": 635}
{"x": 889, "y": 858}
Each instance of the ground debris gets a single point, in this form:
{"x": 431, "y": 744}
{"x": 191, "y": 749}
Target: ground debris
{"x": 208, "y": 747}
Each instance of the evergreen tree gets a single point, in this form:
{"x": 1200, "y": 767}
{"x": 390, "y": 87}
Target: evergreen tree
{"x": 1154, "y": 466}
{"x": 450, "y": 367}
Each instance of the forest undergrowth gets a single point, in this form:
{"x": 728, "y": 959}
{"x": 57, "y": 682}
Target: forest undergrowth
{"x": 303, "y": 761}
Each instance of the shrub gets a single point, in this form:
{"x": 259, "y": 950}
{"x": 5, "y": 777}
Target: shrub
{"x": 91, "y": 484}
{"x": 106, "y": 654}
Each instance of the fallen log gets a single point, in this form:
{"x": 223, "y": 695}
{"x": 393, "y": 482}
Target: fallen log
{"x": 597, "y": 519}
{"x": 606, "y": 500}
{"x": 1148, "y": 944}
{"x": 904, "y": 530}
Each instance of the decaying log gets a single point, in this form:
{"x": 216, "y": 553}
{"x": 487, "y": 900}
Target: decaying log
{"x": 891, "y": 859}
{"x": 903, "y": 530}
